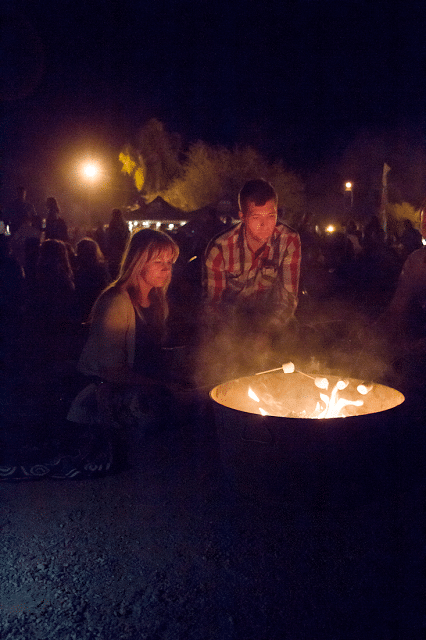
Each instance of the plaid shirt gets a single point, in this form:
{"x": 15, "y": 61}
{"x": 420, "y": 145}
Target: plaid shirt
{"x": 233, "y": 273}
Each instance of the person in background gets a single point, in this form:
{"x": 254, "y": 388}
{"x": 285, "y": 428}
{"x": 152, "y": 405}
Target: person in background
{"x": 18, "y": 211}
{"x": 11, "y": 305}
{"x": 91, "y": 275}
{"x": 354, "y": 236}
{"x": 25, "y": 231}
{"x": 50, "y": 315}
{"x": 56, "y": 227}
{"x": 117, "y": 236}
{"x": 125, "y": 378}
{"x": 407, "y": 309}
{"x": 411, "y": 239}
{"x": 100, "y": 236}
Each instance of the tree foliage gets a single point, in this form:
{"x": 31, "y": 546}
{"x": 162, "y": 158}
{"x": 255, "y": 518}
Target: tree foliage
{"x": 205, "y": 174}
{"x": 156, "y": 160}
{"x": 211, "y": 173}
{"x": 398, "y": 212}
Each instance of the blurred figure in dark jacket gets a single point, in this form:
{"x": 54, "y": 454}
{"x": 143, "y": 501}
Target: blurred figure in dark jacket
{"x": 411, "y": 239}
{"x": 91, "y": 275}
{"x": 51, "y": 315}
{"x": 117, "y": 236}
{"x": 11, "y": 303}
{"x": 18, "y": 210}
{"x": 56, "y": 228}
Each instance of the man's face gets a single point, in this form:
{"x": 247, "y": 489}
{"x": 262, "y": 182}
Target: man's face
{"x": 260, "y": 221}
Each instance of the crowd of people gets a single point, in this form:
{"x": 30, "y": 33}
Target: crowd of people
{"x": 99, "y": 305}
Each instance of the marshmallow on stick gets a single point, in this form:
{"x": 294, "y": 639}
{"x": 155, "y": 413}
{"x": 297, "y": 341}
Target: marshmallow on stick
{"x": 288, "y": 367}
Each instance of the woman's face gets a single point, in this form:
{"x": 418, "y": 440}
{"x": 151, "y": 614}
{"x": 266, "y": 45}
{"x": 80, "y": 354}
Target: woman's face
{"x": 157, "y": 272}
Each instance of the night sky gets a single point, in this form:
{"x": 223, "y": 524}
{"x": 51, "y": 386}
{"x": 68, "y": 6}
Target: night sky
{"x": 295, "y": 79}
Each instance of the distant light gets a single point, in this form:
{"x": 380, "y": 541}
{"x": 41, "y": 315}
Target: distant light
{"x": 90, "y": 170}
{"x": 330, "y": 229}
{"x": 158, "y": 225}
{"x": 348, "y": 186}
{"x": 171, "y": 226}
{"x": 423, "y": 240}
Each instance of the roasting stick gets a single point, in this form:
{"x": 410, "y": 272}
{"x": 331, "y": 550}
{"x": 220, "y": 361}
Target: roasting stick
{"x": 289, "y": 367}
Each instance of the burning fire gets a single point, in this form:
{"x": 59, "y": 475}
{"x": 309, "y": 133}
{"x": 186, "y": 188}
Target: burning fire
{"x": 329, "y": 406}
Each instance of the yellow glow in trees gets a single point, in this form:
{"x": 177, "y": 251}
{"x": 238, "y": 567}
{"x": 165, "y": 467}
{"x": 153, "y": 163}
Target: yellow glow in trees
{"x": 129, "y": 167}
{"x": 127, "y": 162}
{"x": 139, "y": 178}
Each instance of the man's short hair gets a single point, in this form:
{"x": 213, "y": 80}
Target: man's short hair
{"x": 257, "y": 191}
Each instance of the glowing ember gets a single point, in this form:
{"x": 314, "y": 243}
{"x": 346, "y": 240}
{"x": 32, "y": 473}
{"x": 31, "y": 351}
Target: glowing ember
{"x": 363, "y": 389}
{"x": 263, "y": 412}
{"x": 288, "y": 367}
{"x": 252, "y": 395}
{"x": 321, "y": 383}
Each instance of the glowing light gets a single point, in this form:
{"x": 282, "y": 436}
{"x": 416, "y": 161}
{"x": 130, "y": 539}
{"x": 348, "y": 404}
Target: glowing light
{"x": 263, "y": 412}
{"x": 330, "y": 228}
{"x": 90, "y": 170}
{"x": 252, "y": 395}
{"x": 321, "y": 383}
{"x": 348, "y": 186}
{"x": 363, "y": 389}
{"x": 288, "y": 367}
{"x": 342, "y": 384}
{"x": 334, "y": 405}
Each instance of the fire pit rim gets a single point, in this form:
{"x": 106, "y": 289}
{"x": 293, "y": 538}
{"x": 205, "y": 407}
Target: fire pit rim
{"x": 294, "y": 419}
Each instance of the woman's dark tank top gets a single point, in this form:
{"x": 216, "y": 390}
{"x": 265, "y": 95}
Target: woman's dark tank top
{"x": 149, "y": 358}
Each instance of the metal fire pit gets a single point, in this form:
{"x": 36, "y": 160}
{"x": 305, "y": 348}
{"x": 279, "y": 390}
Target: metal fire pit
{"x": 285, "y": 456}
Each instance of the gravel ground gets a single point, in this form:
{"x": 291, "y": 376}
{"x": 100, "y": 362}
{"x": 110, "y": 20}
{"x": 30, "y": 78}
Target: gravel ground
{"x": 165, "y": 550}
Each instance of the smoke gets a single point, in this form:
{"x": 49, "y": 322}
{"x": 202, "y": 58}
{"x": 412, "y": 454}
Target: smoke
{"x": 338, "y": 340}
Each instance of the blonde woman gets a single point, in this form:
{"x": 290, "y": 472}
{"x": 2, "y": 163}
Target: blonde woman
{"x": 122, "y": 358}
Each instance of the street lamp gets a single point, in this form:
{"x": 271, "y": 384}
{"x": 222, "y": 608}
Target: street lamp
{"x": 348, "y": 188}
{"x": 90, "y": 171}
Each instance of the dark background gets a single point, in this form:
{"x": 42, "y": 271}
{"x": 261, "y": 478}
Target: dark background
{"x": 298, "y": 80}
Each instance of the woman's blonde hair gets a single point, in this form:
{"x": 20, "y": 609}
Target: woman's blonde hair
{"x": 142, "y": 246}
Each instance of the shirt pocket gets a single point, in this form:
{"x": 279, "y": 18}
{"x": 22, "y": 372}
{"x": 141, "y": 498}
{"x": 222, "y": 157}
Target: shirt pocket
{"x": 268, "y": 275}
{"x": 235, "y": 284}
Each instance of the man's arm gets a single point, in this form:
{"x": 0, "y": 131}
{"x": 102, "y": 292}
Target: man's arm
{"x": 290, "y": 270}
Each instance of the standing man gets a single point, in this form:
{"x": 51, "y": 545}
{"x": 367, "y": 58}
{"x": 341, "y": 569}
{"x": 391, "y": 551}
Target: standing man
{"x": 252, "y": 272}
